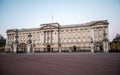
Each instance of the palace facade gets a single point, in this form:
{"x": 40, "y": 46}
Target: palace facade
{"x": 53, "y": 37}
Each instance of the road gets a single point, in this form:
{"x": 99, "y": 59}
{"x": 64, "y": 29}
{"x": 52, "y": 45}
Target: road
{"x": 60, "y": 64}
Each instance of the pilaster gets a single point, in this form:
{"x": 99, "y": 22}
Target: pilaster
{"x": 105, "y": 47}
{"x": 92, "y": 47}
{"x": 15, "y": 46}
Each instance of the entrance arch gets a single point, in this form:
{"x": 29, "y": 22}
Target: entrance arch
{"x": 48, "y": 48}
{"x": 22, "y": 48}
{"x": 98, "y": 47}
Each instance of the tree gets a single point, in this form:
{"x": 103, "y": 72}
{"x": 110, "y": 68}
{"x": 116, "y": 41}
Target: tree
{"x": 2, "y": 43}
{"x": 115, "y": 44}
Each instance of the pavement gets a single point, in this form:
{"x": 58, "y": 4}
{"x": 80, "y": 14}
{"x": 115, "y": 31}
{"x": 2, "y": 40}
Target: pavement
{"x": 60, "y": 64}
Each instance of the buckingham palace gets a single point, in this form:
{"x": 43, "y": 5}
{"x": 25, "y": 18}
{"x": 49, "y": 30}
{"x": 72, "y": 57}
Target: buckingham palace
{"x": 53, "y": 37}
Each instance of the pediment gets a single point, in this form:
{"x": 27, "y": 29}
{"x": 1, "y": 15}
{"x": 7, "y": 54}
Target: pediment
{"x": 50, "y": 26}
{"x": 99, "y": 23}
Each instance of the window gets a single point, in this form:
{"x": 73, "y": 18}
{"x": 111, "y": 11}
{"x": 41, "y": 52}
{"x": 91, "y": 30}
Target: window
{"x": 69, "y": 39}
{"x": 75, "y": 29}
{"x": 62, "y": 30}
{"x": 74, "y": 40}
{"x": 84, "y": 39}
{"x": 64, "y": 39}
{"x": 79, "y": 40}
{"x": 19, "y": 33}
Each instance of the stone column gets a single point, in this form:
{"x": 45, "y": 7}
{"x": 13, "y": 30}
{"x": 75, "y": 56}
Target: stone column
{"x": 105, "y": 42}
{"x": 47, "y": 37}
{"x": 29, "y": 46}
{"x": 92, "y": 33}
{"x": 33, "y": 51}
{"x": 51, "y": 37}
{"x": 44, "y": 37}
{"x": 92, "y": 46}
{"x": 105, "y": 47}
{"x": 33, "y": 48}
{"x": 15, "y": 47}
{"x": 60, "y": 48}
{"x": 16, "y": 43}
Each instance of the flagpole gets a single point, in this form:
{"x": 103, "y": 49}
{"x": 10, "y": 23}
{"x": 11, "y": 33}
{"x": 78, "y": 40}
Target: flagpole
{"x": 52, "y": 18}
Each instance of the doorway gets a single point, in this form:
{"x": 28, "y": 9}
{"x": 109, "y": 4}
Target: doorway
{"x": 74, "y": 48}
{"x": 48, "y": 48}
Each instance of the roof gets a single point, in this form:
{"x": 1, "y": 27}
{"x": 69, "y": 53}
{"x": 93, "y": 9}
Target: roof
{"x": 29, "y": 29}
{"x": 63, "y": 26}
{"x": 14, "y": 30}
{"x": 84, "y": 24}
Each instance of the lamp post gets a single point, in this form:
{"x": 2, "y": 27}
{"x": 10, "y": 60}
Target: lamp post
{"x": 16, "y": 42}
{"x": 29, "y": 46}
{"x": 105, "y": 43}
{"x": 29, "y": 36}
{"x": 92, "y": 46}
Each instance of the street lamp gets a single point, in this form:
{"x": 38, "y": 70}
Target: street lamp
{"x": 16, "y": 37}
{"x": 29, "y": 43}
{"x": 16, "y": 42}
{"x": 92, "y": 45}
{"x": 105, "y": 42}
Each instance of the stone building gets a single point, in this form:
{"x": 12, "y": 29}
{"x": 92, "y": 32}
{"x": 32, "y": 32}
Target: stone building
{"x": 53, "y": 37}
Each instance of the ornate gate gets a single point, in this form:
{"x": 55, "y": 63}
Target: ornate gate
{"x": 98, "y": 47}
{"x": 22, "y": 47}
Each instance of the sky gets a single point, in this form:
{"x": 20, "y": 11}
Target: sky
{"x": 31, "y": 13}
